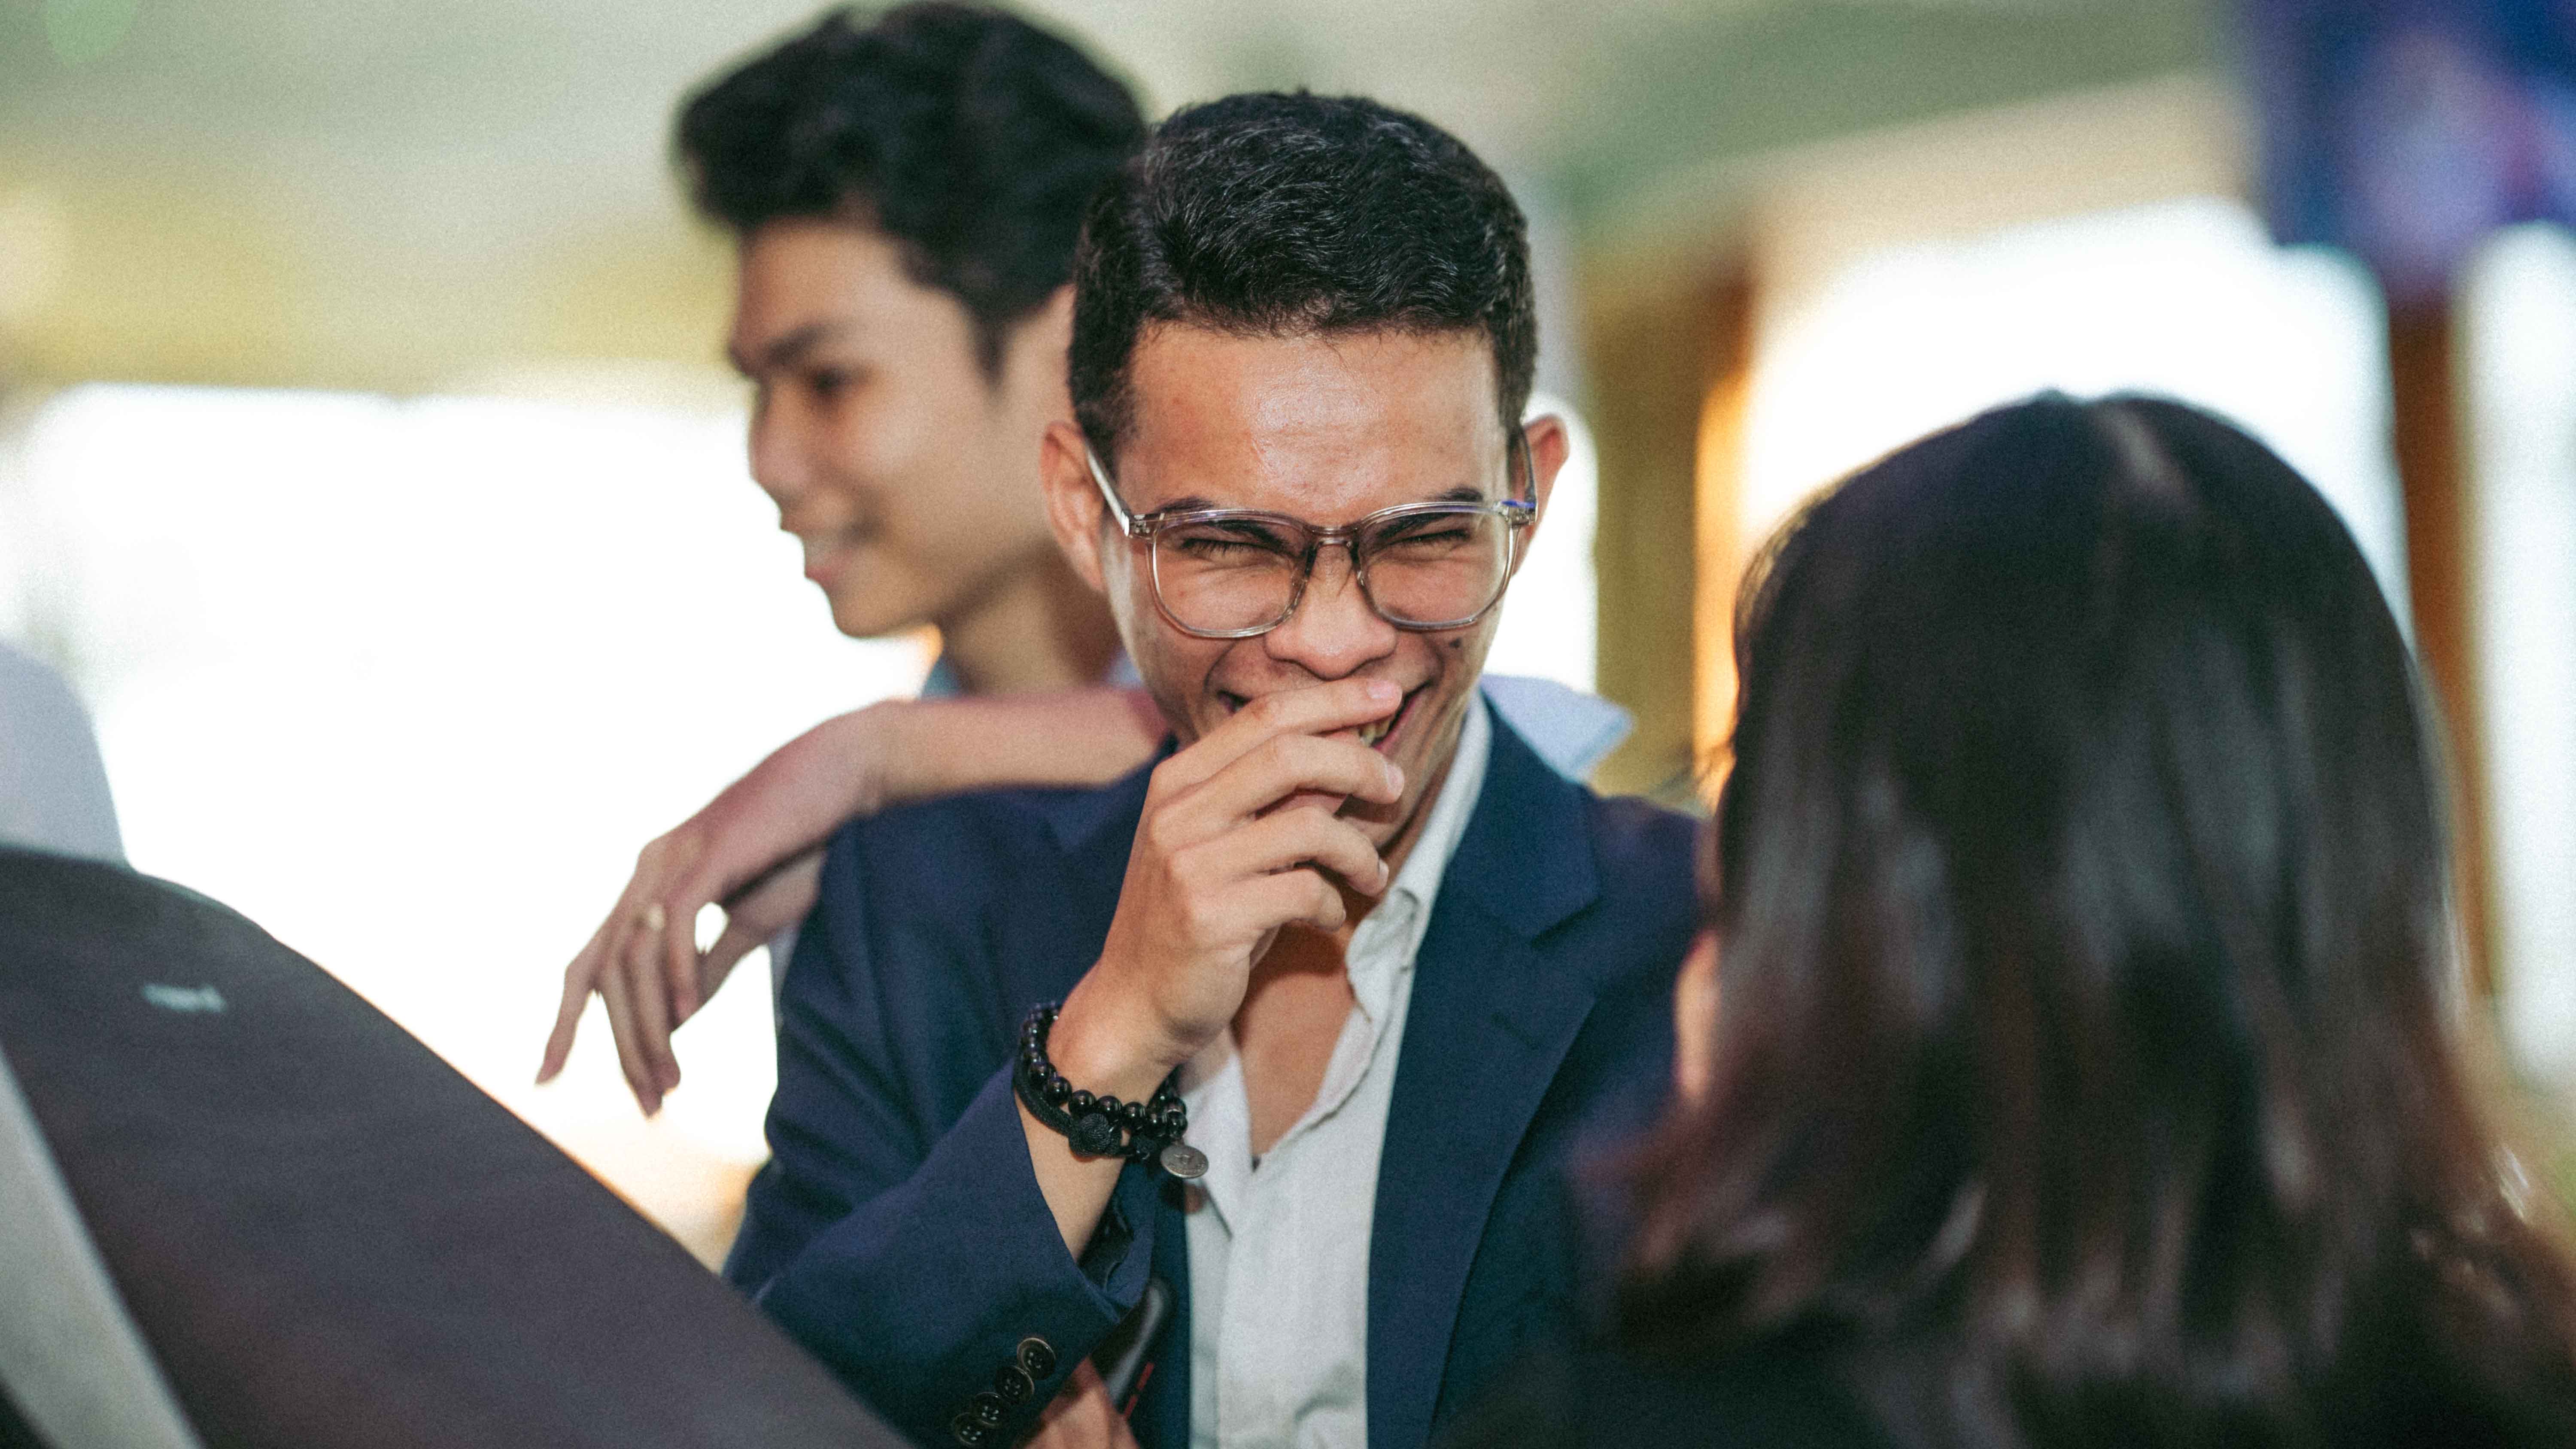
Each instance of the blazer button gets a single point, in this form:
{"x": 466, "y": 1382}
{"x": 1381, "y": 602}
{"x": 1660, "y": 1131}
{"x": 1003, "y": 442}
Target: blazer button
{"x": 968, "y": 1432}
{"x": 1013, "y": 1383}
{"x": 1037, "y": 1356}
{"x": 987, "y": 1409}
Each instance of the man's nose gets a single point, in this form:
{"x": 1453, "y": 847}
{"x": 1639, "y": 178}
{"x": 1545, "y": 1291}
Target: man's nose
{"x": 1333, "y": 631}
{"x": 779, "y": 458}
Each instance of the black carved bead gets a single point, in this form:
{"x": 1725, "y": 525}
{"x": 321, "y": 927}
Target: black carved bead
{"x": 1094, "y": 1135}
{"x": 1133, "y": 1115}
{"x": 1082, "y": 1102}
{"x": 1058, "y": 1089}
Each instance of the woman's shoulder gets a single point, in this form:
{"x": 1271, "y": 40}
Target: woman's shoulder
{"x": 1759, "y": 1398}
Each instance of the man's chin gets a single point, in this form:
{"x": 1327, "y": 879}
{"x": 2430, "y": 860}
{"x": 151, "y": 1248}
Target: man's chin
{"x": 875, "y": 618}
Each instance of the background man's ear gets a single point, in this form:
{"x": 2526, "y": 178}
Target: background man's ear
{"x": 1075, "y": 510}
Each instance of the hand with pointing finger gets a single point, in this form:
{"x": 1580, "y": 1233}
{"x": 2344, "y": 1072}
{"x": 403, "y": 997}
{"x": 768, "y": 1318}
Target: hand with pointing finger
{"x": 757, "y": 848}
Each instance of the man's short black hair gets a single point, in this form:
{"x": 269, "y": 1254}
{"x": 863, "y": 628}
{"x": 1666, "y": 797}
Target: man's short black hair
{"x": 970, "y": 136}
{"x": 1278, "y": 215}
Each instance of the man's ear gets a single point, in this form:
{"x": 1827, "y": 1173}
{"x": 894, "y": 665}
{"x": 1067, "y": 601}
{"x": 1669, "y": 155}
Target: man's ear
{"x": 1549, "y": 445}
{"x": 1075, "y": 509}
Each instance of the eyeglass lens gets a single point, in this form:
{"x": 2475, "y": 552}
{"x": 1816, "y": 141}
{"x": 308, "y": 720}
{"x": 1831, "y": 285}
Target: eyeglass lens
{"x": 1230, "y": 574}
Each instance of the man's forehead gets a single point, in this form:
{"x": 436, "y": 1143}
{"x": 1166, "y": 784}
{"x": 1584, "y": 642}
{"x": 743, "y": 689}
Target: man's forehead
{"x": 806, "y": 282}
{"x": 1315, "y": 414}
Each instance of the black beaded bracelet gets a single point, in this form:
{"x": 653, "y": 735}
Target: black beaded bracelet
{"x": 1101, "y": 1126}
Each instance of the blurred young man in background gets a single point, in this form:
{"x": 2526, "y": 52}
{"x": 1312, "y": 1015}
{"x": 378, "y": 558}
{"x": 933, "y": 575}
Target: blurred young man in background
{"x": 904, "y": 195}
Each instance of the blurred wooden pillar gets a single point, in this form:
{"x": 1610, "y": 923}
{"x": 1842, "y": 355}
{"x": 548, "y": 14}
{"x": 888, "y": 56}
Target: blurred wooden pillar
{"x": 2424, "y": 385}
{"x": 1660, "y": 342}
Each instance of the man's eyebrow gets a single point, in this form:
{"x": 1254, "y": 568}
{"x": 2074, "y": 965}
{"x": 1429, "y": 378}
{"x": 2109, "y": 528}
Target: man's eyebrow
{"x": 1195, "y": 503}
{"x": 784, "y": 351}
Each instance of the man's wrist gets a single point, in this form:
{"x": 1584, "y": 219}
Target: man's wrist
{"x": 1107, "y": 1050}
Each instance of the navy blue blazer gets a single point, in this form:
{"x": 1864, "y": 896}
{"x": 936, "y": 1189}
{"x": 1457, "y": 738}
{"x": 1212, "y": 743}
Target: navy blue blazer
{"x": 898, "y": 1231}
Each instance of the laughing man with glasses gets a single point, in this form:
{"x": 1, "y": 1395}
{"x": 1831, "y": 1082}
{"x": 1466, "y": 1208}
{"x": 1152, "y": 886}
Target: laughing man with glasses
{"x": 1303, "y": 1021}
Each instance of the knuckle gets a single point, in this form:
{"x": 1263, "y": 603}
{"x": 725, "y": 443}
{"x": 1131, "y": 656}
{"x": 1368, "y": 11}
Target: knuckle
{"x": 1273, "y": 754}
{"x": 1199, "y": 916}
{"x": 1185, "y": 868}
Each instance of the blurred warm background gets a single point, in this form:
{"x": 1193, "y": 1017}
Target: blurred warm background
{"x": 366, "y": 463}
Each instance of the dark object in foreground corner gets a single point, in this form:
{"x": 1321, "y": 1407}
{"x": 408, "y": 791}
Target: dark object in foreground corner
{"x": 330, "y": 1238}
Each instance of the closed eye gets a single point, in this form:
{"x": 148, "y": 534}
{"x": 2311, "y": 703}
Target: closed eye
{"x": 1231, "y": 540}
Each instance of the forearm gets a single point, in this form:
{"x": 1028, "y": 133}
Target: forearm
{"x": 917, "y": 1295}
{"x": 927, "y": 748}
{"x": 1097, "y": 1048}
{"x": 900, "y": 751}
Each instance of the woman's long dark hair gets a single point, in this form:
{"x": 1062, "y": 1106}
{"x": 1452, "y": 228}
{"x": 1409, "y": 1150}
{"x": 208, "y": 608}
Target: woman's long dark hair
{"x": 2088, "y": 1068}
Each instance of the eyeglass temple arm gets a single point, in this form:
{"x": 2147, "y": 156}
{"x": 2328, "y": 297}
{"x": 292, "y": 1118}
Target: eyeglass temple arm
{"x": 1528, "y": 507}
{"x": 1109, "y": 494}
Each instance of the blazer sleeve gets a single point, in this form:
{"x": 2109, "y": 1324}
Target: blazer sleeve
{"x": 917, "y": 1259}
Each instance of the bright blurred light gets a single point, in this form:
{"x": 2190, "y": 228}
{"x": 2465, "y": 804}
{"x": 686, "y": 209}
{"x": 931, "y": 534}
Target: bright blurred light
{"x": 409, "y": 683}
{"x": 2183, "y": 298}
{"x": 2521, "y": 316}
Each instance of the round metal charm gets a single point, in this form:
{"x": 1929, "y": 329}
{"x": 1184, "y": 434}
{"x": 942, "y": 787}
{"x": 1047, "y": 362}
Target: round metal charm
{"x": 1182, "y": 1160}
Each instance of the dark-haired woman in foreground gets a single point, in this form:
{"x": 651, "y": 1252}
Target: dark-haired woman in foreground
{"x": 2088, "y": 1071}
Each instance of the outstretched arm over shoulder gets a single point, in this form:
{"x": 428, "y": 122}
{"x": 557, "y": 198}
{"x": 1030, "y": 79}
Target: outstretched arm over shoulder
{"x": 756, "y": 849}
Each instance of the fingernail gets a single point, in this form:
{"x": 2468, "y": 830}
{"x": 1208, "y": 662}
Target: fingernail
{"x": 1394, "y": 777}
{"x": 1382, "y": 691}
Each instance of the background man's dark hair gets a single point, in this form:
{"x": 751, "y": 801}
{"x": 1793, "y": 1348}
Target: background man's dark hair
{"x": 970, "y": 136}
{"x": 1291, "y": 214}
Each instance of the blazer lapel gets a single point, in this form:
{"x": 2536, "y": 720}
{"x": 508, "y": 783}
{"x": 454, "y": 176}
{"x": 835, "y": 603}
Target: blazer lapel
{"x": 1491, "y": 1017}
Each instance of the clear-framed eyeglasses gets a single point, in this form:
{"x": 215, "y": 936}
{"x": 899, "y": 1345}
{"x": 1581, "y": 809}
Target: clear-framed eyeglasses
{"x": 1232, "y": 573}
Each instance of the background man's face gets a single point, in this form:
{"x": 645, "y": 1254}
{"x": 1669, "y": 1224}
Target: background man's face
{"x": 1326, "y": 429}
{"x": 906, "y": 472}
